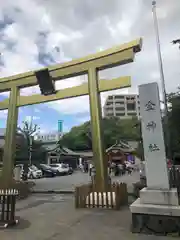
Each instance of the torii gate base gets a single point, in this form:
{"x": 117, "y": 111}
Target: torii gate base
{"x": 89, "y": 196}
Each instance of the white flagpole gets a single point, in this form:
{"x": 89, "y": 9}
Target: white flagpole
{"x": 159, "y": 57}
{"x": 167, "y": 132}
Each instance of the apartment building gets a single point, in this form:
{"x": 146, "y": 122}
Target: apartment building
{"x": 122, "y": 106}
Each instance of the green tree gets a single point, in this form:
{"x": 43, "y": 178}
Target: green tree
{"x": 77, "y": 138}
{"x": 173, "y": 120}
{"x": 114, "y": 129}
{"x": 27, "y": 148}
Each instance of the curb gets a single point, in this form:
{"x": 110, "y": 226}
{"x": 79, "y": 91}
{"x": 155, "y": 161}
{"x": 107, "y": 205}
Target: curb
{"x": 130, "y": 194}
{"x": 52, "y": 192}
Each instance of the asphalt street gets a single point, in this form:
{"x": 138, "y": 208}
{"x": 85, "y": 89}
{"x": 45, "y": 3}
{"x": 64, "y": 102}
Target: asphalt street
{"x": 68, "y": 183}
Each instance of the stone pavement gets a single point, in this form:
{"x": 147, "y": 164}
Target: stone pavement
{"x": 53, "y": 217}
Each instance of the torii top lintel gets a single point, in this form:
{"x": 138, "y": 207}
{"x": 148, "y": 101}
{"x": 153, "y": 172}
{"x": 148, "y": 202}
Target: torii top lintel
{"x": 115, "y": 56}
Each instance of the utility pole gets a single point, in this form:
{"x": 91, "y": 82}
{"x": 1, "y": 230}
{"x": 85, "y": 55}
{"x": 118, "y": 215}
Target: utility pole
{"x": 159, "y": 57}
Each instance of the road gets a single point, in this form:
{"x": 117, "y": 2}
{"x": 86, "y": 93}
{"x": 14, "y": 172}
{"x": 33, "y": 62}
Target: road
{"x": 68, "y": 183}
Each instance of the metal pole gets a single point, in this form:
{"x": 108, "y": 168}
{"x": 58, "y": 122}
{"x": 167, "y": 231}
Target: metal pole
{"x": 167, "y": 133}
{"x": 30, "y": 150}
{"x": 30, "y": 137}
{"x": 159, "y": 57}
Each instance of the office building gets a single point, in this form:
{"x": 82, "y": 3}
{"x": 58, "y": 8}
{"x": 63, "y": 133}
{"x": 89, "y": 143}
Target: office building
{"x": 122, "y": 106}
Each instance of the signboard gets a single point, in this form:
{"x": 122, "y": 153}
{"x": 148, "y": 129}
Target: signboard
{"x": 153, "y": 139}
{"x": 60, "y": 126}
{"x": 131, "y": 158}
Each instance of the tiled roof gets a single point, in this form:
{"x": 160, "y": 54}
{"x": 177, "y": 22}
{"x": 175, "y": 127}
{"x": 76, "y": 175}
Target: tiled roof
{"x": 121, "y": 146}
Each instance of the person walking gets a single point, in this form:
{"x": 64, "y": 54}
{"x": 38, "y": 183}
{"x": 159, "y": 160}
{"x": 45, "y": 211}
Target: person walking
{"x": 120, "y": 169}
{"x": 116, "y": 170}
{"x": 90, "y": 169}
{"x": 93, "y": 174}
{"x": 85, "y": 167}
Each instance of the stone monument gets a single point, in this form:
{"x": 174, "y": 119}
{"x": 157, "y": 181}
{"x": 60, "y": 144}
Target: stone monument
{"x": 157, "y": 209}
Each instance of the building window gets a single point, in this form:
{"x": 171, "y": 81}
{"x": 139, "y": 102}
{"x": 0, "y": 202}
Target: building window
{"x": 109, "y": 109}
{"x": 110, "y": 97}
{"x": 120, "y": 108}
{"x": 119, "y": 97}
{"x": 120, "y": 102}
{"x": 130, "y": 98}
{"x": 108, "y": 104}
{"x": 120, "y": 114}
{"x": 132, "y": 114}
{"x": 131, "y": 106}
{"x": 109, "y": 114}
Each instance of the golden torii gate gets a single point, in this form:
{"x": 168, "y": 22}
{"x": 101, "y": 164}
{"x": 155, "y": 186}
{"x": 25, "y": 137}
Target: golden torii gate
{"x": 90, "y": 65}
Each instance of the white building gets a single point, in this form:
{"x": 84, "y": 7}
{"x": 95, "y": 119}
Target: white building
{"x": 122, "y": 106}
{"x": 49, "y": 137}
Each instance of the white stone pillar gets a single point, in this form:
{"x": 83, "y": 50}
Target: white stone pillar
{"x": 153, "y": 139}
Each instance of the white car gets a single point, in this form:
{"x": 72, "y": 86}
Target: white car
{"x": 62, "y": 169}
{"x": 34, "y": 172}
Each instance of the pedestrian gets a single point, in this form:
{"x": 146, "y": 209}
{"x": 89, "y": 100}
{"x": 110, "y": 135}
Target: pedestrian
{"x": 25, "y": 171}
{"x": 120, "y": 169}
{"x": 90, "y": 169}
{"x": 116, "y": 170}
{"x": 85, "y": 167}
{"x": 93, "y": 175}
{"x": 129, "y": 170}
{"x": 124, "y": 169}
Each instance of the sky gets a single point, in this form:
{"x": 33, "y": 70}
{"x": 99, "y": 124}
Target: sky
{"x": 37, "y": 33}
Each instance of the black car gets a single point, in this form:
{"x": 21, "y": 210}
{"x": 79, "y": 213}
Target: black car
{"x": 47, "y": 171}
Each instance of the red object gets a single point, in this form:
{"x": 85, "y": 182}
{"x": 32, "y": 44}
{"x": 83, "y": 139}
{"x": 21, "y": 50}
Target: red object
{"x": 169, "y": 163}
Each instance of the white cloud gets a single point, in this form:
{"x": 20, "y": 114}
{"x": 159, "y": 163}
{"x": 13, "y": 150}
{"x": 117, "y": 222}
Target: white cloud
{"x": 81, "y": 120}
{"x": 72, "y": 105}
{"x": 75, "y": 28}
{"x": 3, "y": 114}
{"x": 36, "y": 110}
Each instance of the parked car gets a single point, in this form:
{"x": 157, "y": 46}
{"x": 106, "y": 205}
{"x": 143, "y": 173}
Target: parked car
{"x": 62, "y": 169}
{"x": 34, "y": 172}
{"x": 47, "y": 171}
